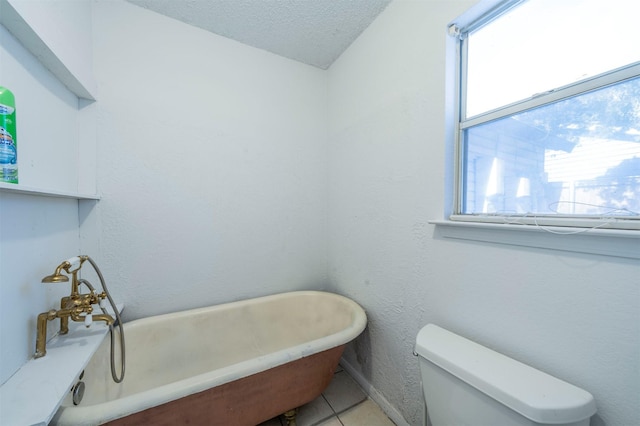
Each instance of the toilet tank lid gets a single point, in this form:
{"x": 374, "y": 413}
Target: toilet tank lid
{"x": 532, "y": 393}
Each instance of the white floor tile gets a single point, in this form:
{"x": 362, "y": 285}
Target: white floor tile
{"x": 314, "y": 412}
{"x": 343, "y": 392}
{"x": 366, "y": 413}
{"x": 331, "y": 422}
{"x": 343, "y": 396}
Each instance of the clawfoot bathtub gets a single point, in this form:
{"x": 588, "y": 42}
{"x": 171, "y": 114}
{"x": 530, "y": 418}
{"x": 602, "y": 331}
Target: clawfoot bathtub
{"x": 239, "y": 363}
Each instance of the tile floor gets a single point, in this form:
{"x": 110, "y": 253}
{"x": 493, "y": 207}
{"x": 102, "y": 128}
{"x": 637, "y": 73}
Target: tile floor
{"x": 343, "y": 403}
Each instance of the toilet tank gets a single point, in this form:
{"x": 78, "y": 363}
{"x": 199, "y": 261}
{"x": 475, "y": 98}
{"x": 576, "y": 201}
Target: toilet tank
{"x": 465, "y": 383}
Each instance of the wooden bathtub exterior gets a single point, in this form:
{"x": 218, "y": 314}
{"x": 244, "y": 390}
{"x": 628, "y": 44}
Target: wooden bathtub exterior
{"x": 252, "y": 360}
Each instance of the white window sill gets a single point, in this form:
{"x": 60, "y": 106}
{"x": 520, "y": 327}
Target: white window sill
{"x": 606, "y": 242}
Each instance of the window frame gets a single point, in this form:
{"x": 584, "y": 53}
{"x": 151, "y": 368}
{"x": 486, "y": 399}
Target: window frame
{"x": 585, "y": 86}
{"x": 568, "y": 234}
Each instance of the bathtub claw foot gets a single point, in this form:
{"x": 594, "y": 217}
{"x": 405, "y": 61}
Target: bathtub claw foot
{"x": 290, "y": 417}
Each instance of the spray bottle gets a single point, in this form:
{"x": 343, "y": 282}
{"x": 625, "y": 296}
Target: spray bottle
{"x": 8, "y": 141}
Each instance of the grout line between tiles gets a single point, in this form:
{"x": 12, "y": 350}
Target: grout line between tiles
{"x": 336, "y": 414}
{"x": 344, "y": 410}
{"x": 333, "y": 414}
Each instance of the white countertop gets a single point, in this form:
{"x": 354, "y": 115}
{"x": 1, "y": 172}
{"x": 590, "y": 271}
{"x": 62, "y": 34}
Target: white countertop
{"x": 33, "y": 394}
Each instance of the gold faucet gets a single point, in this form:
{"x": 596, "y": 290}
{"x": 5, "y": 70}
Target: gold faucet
{"x": 72, "y": 306}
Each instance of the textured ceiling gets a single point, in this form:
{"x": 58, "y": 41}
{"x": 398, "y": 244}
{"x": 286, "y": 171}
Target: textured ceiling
{"x": 315, "y": 32}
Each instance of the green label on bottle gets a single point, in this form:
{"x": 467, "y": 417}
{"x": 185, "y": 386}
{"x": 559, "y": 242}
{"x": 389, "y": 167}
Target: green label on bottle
{"x": 8, "y": 141}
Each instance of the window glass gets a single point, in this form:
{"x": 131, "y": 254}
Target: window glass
{"x": 577, "y": 156}
{"x": 545, "y": 44}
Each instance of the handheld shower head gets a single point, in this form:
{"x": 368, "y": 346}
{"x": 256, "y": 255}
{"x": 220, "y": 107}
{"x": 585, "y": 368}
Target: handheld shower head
{"x": 57, "y": 276}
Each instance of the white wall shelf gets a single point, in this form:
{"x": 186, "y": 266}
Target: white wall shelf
{"x": 13, "y": 20}
{"x": 21, "y": 189}
{"x": 47, "y": 380}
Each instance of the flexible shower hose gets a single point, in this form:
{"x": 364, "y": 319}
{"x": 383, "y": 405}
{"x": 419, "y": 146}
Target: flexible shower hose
{"x": 111, "y": 326}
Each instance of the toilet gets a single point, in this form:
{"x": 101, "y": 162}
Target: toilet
{"x": 465, "y": 383}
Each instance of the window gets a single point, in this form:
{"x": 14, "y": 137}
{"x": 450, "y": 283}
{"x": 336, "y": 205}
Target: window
{"x": 549, "y": 114}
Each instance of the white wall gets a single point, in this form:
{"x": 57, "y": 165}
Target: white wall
{"x": 37, "y": 233}
{"x": 574, "y": 316}
{"x": 211, "y": 165}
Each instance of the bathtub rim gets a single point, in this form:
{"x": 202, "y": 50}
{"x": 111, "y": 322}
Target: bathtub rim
{"x": 110, "y": 410}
